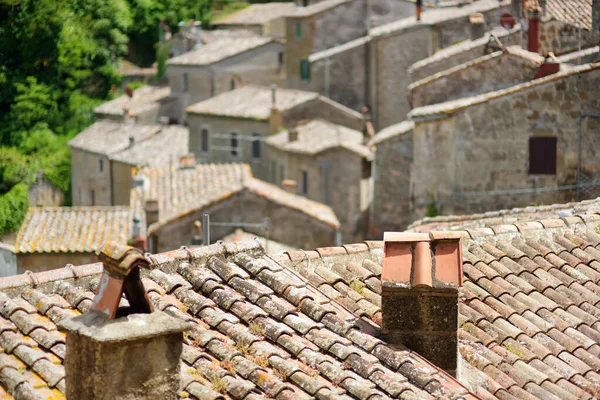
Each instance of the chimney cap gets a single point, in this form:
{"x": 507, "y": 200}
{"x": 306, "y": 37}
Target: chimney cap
{"x": 431, "y": 260}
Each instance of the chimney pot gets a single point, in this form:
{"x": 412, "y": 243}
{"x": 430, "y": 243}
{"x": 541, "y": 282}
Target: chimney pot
{"x": 477, "y": 21}
{"x": 136, "y": 356}
{"x": 420, "y": 280}
{"x": 419, "y": 10}
{"x": 187, "y": 161}
{"x": 152, "y": 212}
{"x": 289, "y": 185}
{"x": 275, "y": 121}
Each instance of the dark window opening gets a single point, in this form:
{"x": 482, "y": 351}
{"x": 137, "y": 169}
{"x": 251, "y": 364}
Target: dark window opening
{"x": 305, "y": 183}
{"x": 366, "y": 168}
{"x": 298, "y": 30}
{"x": 204, "y": 140}
{"x": 185, "y": 82}
{"x": 542, "y": 155}
{"x": 235, "y": 143}
{"x": 93, "y": 197}
{"x": 232, "y": 84}
{"x": 280, "y": 59}
{"x": 256, "y": 145}
{"x": 101, "y": 165}
{"x": 304, "y": 70}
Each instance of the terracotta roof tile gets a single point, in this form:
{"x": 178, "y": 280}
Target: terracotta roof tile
{"x": 72, "y": 229}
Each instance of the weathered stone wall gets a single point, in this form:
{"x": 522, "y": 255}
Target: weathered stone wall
{"x": 393, "y": 158}
{"x": 339, "y": 25}
{"x": 386, "y": 11}
{"x": 44, "y": 193}
{"x": 286, "y": 226}
{"x": 392, "y": 56}
{"x": 123, "y": 182}
{"x": 87, "y": 177}
{"x": 485, "y": 148}
{"x": 8, "y": 260}
{"x": 489, "y": 73}
{"x": 342, "y": 75}
{"x": 342, "y": 171}
{"x": 560, "y": 38}
{"x": 219, "y": 147}
{"x": 38, "y": 262}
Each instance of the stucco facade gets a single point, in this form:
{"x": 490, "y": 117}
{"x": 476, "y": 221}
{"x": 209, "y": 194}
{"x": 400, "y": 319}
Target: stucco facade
{"x": 483, "y": 148}
{"x": 90, "y": 178}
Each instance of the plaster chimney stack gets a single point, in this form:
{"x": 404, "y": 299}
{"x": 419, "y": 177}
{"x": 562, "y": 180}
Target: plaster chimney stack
{"x": 293, "y": 134}
{"x": 187, "y": 161}
{"x": 420, "y": 280}
{"x": 151, "y": 210}
{"x": 533, "y": 37}
{"x": 477, "y": 21}
{"x": 123, "y": 353}
{"x": 419, "y": 4}
{"x": 289, "y": 185}
{"x": 137, "y": 239}
{"x": 276, "y": 119}
{"x": 596, "y": 21}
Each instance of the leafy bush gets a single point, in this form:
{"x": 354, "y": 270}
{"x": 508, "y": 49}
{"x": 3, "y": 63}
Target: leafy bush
{"x": 13, "y": 208}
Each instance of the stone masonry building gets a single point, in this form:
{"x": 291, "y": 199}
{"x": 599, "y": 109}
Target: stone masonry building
{"x": 105, "y": 155}
{"x": 223, "y": 65}
{"x": 263, "y": 19}
{"x": 328, "y": 163}
{"x": 232, "y": 126}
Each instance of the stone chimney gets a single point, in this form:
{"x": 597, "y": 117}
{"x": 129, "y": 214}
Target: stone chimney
{"x": 276, "y": 118}
{"x": 533, "y": 35}
{"x": 596, "y": 21}
{"x": 419, "y": 10}
{"x": 151, "y": 210}
{"x": 420, "y": 280}
{"x": 293, "y": 134}
{"x": 187, "y": 161}
{"x": 289, "y": 185}
{"x": 137, "y": 239}
{"x": 477, "y": 24}
{"x": 123, "y": 353}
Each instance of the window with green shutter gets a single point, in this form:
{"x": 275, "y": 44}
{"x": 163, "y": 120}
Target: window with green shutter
{"x": 305, "y": 70}
{"x": 298, "y": 30}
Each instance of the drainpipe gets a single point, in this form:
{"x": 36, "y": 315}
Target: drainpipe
{"x": 372, "y": 231}
{"x": 327, "y": 94}
{"x": 112, "y": 183}
{"x": 579, "y": 119}
{"x": 205, "y": 229}
{"x": 338, "y": 238}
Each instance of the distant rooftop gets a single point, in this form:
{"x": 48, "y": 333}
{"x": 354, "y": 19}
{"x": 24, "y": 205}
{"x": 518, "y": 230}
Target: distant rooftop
{"x": 72, "y": 229}
{"x": 318, "y": 135}
{"x": 256, "y": 14}
{"x": 573, "y": 12}
{"x": 251, "y": 102}
{"x": 317, "y": 8}
{"x": 181, "y": 191}
{"x": 143, "y": 98}
{"x": 220, "y": 49}
{"x": 152, "y": 145}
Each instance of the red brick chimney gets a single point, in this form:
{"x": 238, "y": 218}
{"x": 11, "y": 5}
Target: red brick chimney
{"x": 533, "y": 38}
{"x": 550, "y": 66}
{"x": 420, "y": 280}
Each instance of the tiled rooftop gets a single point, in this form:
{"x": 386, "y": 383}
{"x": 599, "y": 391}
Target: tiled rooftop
{"x": 182, "y": 191}
{"x": 143, "y": 98}
{"x": 259, "y": 331}
{"x": 573, "y": 12}
{"x": 271, "y": 246}
{"x": 529, "y": 309}
{"x": 154, "y": 145}
{"x": 393, "y": 130}
{"x": 251, "y": 102}
{"x": 501, "y": 217}
{"x": 72, "y": 229}
{"x": 220, "y": 49}
{"x": 257, "y": 14}
{"x": 452, "y": 106}
{"x": 316, "y": 136}
{"x": 317, "y": 8}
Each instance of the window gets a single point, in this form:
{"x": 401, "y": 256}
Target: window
{"x": 298, "y": 30}
{"x": 235, "y": 144}
{"x": 232, "y": 84}
{"x": 92, "y": 197}
{"x": 101, "y": 165}
{"x": 256, "y": 145}
{"x": 83, "y": 159}
{"x": 280, "y": 59}
{"x": 185, "y": 82}
{"x": 305, "y": 70}
{"x": 304, "y": 183}
{"x": 281, "y": 173}
{"x": 204, "y": 139}
{"x": 542, "y": 155}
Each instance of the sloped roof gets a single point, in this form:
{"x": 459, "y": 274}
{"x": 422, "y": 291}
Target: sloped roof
{"x": 502, "y": 217}
{"x": 316, "y": 136}
{"x": 251, "y": 102}
{"x": 393, "y": 131}
{"x": 573, "y": 12}
{"x": 257, "y": 326}
{"x": 143, "y": 98}
{"x": 529, "y": 313}
{"x": 271, "y": 246}
{"x": 220, "y": 49}
{"x": 256, "y": 14}
{"x": 180, "y": 191}
{"x": 72, "y": 229}
{"x": 153, "y": 144}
